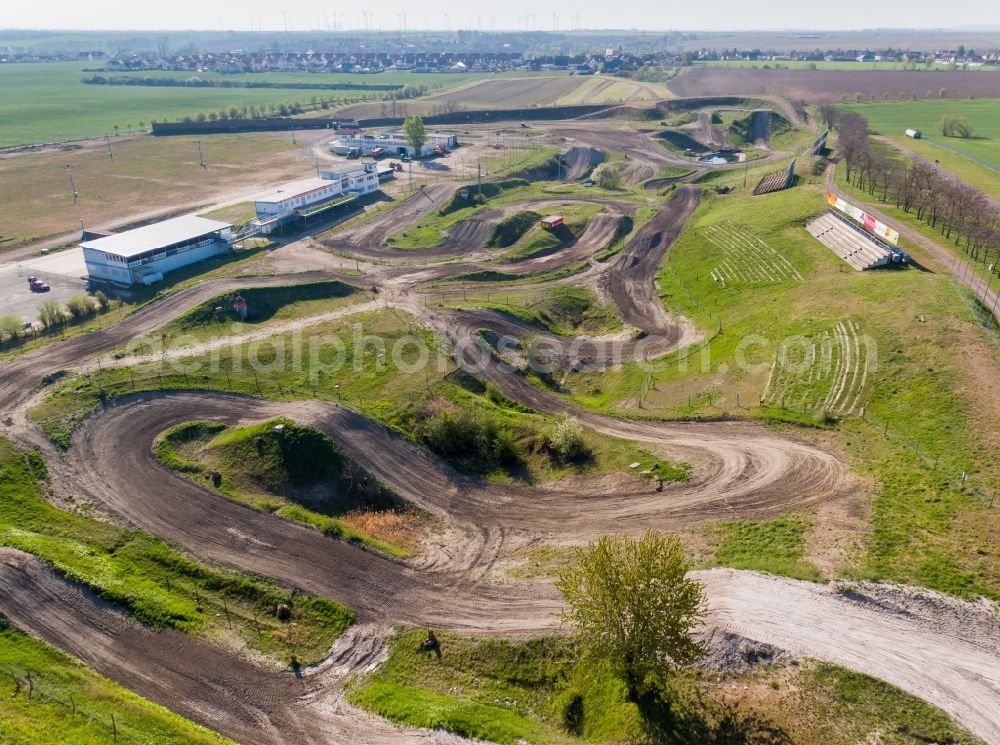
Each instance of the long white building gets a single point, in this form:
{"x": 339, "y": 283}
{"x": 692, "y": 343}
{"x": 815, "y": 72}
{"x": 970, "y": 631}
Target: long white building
{"x": 143, "y": 255}
{"x": 310, "y": 196}
{"x": 392, "y": 143}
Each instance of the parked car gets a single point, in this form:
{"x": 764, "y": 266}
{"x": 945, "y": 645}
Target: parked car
{"x": 36, "y": 285}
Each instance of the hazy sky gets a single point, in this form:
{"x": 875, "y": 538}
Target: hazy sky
{"x": 512, "y": 14}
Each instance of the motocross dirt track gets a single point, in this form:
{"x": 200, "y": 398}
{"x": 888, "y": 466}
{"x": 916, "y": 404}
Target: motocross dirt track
{"x": 740, "y": 470}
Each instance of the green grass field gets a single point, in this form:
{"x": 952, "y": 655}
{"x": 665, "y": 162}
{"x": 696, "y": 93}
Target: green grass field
{"x": 983, "y": 149}
{"x": 47, "y": 102}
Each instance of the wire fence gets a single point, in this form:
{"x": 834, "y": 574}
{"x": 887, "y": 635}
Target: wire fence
{"x": 34, "y": 686}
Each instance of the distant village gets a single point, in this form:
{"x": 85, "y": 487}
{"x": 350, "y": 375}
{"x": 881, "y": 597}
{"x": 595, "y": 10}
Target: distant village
{"x": 239, "y": 62}
{"x": 609, "y": 61}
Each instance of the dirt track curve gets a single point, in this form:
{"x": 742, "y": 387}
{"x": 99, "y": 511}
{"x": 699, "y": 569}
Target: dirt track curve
{"x": 741, "y": 469}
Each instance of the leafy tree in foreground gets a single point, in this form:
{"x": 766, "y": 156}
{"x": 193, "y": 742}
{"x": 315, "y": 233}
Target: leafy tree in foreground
{"x": 634, "y": 608}
{"x": 635, "y": 611}
{"x": 416, "y": 133}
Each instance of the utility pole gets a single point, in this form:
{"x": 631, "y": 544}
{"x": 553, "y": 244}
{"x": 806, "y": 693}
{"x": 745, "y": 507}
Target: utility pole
{"x": 107, "y": 141}
{"x": 201, "y": 157}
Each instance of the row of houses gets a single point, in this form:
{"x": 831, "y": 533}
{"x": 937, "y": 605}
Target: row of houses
{"x": 143, "y": 255}
{"x": 11, "y": 57}
{"x": 311, "y": 61}
{"x": 612, "y": 60}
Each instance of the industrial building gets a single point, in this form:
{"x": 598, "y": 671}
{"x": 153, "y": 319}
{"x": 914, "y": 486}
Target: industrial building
{"x": 143, "y": 255}
{"x": 392, "y": 143}
{"x": 310, "y": 197}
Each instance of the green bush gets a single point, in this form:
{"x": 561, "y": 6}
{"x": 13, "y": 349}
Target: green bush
{"x": 607, "y": 176}
{"x": 51, "y": 314}
{"x": 565, "y": 440}
{"x": 80, "y": 307}
{"x": 474, "y": 441}
{"x": 10, "y": 327}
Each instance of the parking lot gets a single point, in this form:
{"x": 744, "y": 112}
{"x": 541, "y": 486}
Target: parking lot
{"x": 63, "y": 271}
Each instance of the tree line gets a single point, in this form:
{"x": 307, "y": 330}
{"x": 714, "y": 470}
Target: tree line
{"x": 960, "y": 212}
{"x": 315, "y": 103}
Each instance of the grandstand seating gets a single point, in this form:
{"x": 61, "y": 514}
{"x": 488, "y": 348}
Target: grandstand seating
{"x": 853, "y": 246}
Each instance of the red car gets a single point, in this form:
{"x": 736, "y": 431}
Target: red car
{"x": 36, "y": 285}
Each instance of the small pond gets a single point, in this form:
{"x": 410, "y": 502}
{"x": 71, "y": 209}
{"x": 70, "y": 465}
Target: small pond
{"x": 718, "y": 159}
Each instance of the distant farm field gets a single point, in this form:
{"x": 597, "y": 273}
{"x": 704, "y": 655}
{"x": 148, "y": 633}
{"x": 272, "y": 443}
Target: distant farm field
{"x": 526, "y": 92}
{"x": 46, "y": 102}
{"x": 893, "y": 119}
{"x": 840, "y": 65}
{"x": 816, "y": 86}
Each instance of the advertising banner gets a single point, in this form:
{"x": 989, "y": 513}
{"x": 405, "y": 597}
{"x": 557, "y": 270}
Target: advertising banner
{"x": 869, "y": 223}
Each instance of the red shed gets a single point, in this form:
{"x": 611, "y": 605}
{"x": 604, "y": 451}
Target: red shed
{"x": 552, "y": 222}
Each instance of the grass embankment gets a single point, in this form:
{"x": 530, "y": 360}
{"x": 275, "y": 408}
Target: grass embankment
{"x": 541, "y": 692}
{"x": 511, "y": 229}
{"x": 429, "y": 231}
{"x": 509, "y": 279}
{"x": 370, "y": 381}
{"x": 154, "y": 582}
{"x": 568, "y": 311}
{"x": 918, "y": 377}
{"x": 270, "y": 305}
{"x": 48, "y": 716}
{"x": 297, "y": 473}
{"x": 741, "y": 128}
{"x": 537, "y": 241}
